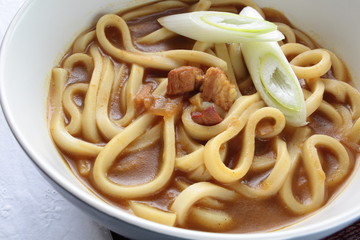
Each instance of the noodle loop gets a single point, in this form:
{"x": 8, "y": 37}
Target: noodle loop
{"x": 212, "y": 157}
{"x": 311, "y": 64}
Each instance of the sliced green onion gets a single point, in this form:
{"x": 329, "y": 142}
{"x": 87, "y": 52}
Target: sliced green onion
{"x": 221, "y": 27}
{"x": 273, "y": 77}
{"x": 237, "y": 23}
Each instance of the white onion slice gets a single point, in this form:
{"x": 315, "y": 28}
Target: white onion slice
{"x": 221, "y": 27}
{"x": 273, "y": 77}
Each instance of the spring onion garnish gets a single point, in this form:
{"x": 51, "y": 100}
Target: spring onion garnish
{"x": 221, "y": 27}
{"x": 273, "y": 76}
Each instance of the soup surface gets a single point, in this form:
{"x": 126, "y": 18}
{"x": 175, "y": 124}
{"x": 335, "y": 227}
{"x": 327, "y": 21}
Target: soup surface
{"x": 173, "y": 130}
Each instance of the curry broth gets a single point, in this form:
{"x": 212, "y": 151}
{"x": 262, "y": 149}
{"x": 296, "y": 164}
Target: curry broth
{"x": 250, "y": 215}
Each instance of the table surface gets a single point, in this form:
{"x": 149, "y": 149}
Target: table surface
{"x": 30, "y": 208}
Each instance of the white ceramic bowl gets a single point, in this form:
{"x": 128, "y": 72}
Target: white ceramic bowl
{"x": 41, "y": 33}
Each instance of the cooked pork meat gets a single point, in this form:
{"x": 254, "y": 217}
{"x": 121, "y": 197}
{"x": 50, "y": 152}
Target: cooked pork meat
{"x": 207, "y": 117}
{"x": 217, "y": 88}
{"x": 184, "y": 79}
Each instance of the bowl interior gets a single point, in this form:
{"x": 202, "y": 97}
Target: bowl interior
{"x": 43, "y": 31}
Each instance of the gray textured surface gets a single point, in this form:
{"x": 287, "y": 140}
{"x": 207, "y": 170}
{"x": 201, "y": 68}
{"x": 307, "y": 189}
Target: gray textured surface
{"x": 30, "y": 208}
{"x": 350, "y": 233}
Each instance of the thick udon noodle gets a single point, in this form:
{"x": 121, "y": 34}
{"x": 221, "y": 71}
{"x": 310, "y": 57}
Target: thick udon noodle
{"x": 272, "y": 159}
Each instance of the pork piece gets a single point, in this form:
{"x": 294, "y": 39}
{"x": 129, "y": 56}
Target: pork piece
{"x": 207, "y": 117}
{"x": 184, "y": 79}
{"x": 217, "y": 88}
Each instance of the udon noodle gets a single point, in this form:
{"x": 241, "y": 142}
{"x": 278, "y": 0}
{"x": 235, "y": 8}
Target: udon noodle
{"x": 141, "y": 149}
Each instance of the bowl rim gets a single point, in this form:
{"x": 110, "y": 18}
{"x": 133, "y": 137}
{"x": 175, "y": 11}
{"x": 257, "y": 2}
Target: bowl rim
{"x": 342, "y": 219}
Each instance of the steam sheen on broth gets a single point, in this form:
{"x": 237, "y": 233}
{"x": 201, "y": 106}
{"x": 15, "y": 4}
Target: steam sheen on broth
{"x": 158, "y": 155}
